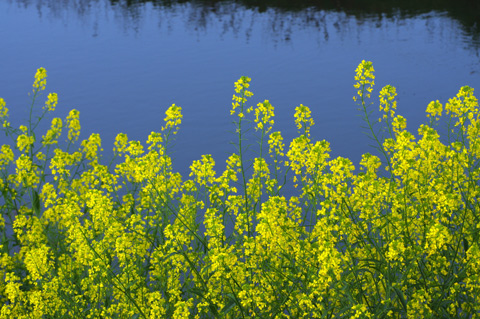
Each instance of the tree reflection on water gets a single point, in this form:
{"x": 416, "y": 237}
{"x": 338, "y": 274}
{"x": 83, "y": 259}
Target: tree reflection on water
{"x": 238, "y": 17}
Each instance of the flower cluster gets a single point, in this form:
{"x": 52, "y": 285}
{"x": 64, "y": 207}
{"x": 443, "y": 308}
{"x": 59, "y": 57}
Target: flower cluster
{"x": 240, "y": 98}
{"x": 40, "y": 80}
{"x": 134, "y": 239}
{"x": 365, "y": 80}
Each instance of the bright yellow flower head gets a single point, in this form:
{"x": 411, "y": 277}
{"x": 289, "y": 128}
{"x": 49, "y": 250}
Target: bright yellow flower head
{"x": 462, "y": 106}
{"x": 387, "y": 101}
{"x": 434, "y": 109}
{"x": 173, "y": 118}
{"x": 365, "y": 79}
{"x": 264, "y": 116}
{"x": 51, "y": 102}
{"x": 242, "y": 84}
{"x": 26, "y": 172}
{"x": 52, "y": 135}
{"x": 73, "y": 124}
{"x": 24, "y": 142}
{"x": 4, "y": 113}
{"x": 303, "y": 119}
{"x": 6, "y": 155}
{"x": 121, "y": 142}
{"x": 275, "y": 142}
{"x": 155, "y": 139}
{"x": 92, "y": 146}
{"x": 240, "y": 99}
{"x": 203, "y": 170}
{"x": 40, "y": 80}
{"x": 3, "y": 109}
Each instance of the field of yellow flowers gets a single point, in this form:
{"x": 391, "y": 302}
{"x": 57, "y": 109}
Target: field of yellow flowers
{"x": 398, "y": 237}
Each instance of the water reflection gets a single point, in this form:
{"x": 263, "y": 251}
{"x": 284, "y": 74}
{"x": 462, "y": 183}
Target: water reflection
{"x": 239, "y": 17}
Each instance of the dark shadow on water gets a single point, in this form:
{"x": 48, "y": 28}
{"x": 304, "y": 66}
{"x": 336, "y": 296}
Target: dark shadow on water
{"x": 283, "y": 14}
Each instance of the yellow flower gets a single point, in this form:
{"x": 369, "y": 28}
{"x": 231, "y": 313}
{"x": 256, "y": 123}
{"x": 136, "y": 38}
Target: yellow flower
{"x": 173, "y": 118}
{"x": 6, "y": 155}
{"x": 239, "y": 100}
{"x": 121, "y": 142}
{"x": 26, "y": 172}
{"x": 51, "y": 103}
{"x": 52, "y": 135}
{"x": 387, "y": 101}
{"x": 37, "y": 262}
{"x": 135, "y": 148}
{"x": 303, "y": 119}
{"x": 24, "y": 142}
{"x": 434, "y": 109}
{"x": 155, "y": 139}
{"x": 92, "y": 146}
{"x": 437, "y": 236}
{"x": 399, "y": 123}
{"x": 40, "y": 80}
{"x": 73, "y": 124}
{"x": 264, "y": 116}
{"x": 365, "y": 79}
{"x": 203, "y": 170}
{"x": 396, "y": 251}
{"x": 13, "y": 285}
{"x": 3, "y": 109}
{"x": 4, "y": 113}
{"x": 275, "y": 142}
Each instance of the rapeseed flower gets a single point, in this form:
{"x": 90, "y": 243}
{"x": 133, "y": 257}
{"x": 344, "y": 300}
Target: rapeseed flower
{"x": 137, "y": 240}
{"x": 173, "y": 118}
{"x": 73, "y": 124}
{"x": 303, "y": 119}
{"x": 52, "y": 135}
{"x": 26, "y": 172}
{"x": 3, "y": 109}
{"x": 40, "y": 80}
{"x": 6, "y": 155}
{"x": 264, "y": 114}
{"x": 25, "y": 142}
{"x": 51, "y": 103}
{"x": 365, "y": 80}
{"x": 4, "y": 113}
{"x": 239, "y": 100}
{"x": 434, "y": 109}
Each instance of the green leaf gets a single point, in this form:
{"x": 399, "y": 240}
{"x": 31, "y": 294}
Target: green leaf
{"x": 465, "y": 244}
{"x": 230, "y": 305}
{"x": 400, "y": 296}
{"x": 36, "y": 203}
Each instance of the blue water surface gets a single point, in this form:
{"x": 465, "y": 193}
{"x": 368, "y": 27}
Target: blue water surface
{"x": 123, "y": 68}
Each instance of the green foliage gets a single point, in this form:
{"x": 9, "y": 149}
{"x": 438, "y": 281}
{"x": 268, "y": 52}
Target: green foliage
{"x": 84, "y": 240}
